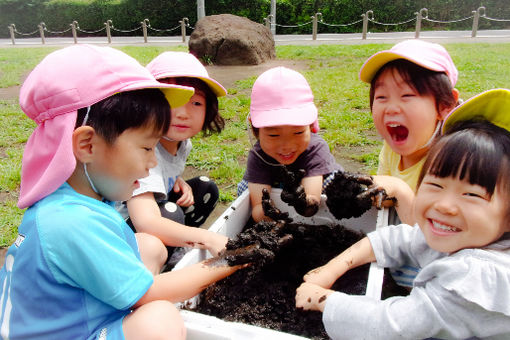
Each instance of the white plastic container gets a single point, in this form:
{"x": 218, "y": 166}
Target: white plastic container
{"x": 230, "y": 223}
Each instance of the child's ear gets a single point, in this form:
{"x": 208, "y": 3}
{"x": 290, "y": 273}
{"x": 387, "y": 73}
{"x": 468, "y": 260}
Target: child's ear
{"x": 83, "y": 142}
{"x": 445, "y": 110}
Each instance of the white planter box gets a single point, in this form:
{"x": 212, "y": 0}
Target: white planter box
{"x": 230, "y": 223}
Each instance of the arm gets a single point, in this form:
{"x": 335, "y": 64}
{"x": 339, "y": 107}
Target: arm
{"x": 182, "y": 284}
{"x": 396, "y": 187}
{"x": 313, "y": 189}
{"x": 356, "y": 255}
{"x": 146, "y": 217}
{"x": 257, "y": 211}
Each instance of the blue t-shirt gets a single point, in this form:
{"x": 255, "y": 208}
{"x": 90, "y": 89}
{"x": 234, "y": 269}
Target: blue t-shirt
{"x": 74, "y": 269}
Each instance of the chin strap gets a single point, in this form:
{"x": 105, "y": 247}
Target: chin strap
{"x": 434, "y": 135}
{"x": 85, "y": 119}
{"x": 250, "y": 137}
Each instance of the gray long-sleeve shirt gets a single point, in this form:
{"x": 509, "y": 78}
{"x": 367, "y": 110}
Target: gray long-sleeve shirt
{"x": 455, "y": 296}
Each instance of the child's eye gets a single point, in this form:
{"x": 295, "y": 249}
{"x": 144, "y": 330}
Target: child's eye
{"x": 380, "y": 97}
{"x": 433, "y": 184}
{"x": 299, "y": 132}
{"x": 147, "y": 149}
{"x": 407, "y": 95}
{"x": 195, "y": 103}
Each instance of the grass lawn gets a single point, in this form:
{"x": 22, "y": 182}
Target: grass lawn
{"x": 332, "y": 72}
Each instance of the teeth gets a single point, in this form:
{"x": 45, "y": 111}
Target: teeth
{"x": 443, "y": 227}
{"x": 393, "y": 125}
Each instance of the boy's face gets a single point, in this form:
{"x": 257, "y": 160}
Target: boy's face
{"x": 454, "y": 214}
{"x": 404, "y": 118}
{"x": 284, "y": 143}
{"x": 116, "y": 168}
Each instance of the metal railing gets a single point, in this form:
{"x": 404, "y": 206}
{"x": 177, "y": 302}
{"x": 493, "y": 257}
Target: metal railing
{"x": 316, "y": 19}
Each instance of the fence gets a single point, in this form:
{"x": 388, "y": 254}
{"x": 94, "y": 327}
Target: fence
{"x": 316, "y": 19}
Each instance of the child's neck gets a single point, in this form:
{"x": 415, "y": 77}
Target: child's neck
{"x": 408, "y": 161}
{"x": 171, "y": 146}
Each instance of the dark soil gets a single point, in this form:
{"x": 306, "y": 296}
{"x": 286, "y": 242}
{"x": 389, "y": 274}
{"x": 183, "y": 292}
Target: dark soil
{"x": 264, "y": 294}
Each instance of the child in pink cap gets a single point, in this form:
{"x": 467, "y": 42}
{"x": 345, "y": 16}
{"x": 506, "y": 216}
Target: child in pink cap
{"x": 284, "y": 120}
{"x": 76, "y": 270}
{"x": 165, "y": 205}
{"x": 412, "y": 89}
{"x": 461, "y": 242}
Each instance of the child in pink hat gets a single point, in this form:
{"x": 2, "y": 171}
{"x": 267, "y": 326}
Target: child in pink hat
{"x": 165, "y": 204}
{"x": 284, "y": 120}
{"x": 76, "y": 270}
{"x": 412, "y": 89}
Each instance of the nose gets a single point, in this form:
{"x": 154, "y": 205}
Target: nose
{"x": 392, "y": 108}
{"x": 152, "y": 161}
{"x": 446, "y": 204}
{"x": 180, "y": 112}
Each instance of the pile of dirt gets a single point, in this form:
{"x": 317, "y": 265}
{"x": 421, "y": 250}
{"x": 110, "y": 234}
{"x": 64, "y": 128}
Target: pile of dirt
{"x": 264, "y": 294}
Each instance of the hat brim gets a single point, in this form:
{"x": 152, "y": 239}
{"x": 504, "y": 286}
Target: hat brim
{"x": 300, "y": 116}
{"x": 378, "y": 60}
{"x": 176, "y": 95}
{"x": 215, "y": 86}
{"x": 492, "y": 105}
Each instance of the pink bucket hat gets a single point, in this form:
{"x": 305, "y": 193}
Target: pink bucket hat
{"x": 183, "y": 64}
{"x": 63, "y": 82}
{"x": 281, "y": 96}
{"x": 492, "y": 105}
{"x": 431, "y": 56}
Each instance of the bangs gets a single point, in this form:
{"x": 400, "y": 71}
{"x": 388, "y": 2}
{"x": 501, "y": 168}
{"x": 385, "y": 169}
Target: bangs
{"x": 474, "y": 155}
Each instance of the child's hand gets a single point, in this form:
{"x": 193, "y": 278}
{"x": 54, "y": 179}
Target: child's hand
{"x": 270, "y": 210}
{"x": 310, "y": 296}
{"x": 294, "y": 194}
{"x": 217, "y": 243}
{"x": 321, "y": 276}
{"x": 182, "y": 187}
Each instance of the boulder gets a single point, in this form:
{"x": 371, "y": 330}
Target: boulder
{"x": 226, "y": 39}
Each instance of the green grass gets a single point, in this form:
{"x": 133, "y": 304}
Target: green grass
{"x": 342, "y": 100}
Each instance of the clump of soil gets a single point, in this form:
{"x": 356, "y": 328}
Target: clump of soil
{"x": 264, "y": 294}
{"x": 348, "y": 195}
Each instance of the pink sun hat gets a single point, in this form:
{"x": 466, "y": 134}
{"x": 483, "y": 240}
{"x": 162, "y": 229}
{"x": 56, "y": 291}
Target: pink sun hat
{"x": 182, "y": 64}
{"x": 428, "y": 55}
{"x": 63, "y": 82}
{"x": 281, "y": 96}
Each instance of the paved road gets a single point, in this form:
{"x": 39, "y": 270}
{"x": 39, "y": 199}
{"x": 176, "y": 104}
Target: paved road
{"x": 347, "y": 38}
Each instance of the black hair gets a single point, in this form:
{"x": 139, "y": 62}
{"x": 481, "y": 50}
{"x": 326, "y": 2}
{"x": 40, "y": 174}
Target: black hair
{"x": 213, "y": 122}
{"x": 125, "y": 110}
{"x": 423, "y": 80}
{"x": 475, "y": 150}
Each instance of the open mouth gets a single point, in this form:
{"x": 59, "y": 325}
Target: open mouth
{"x": 398, "y": 132}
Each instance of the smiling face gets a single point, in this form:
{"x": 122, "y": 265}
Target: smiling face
{"x": 405, "y": 118}
{"x": 284, "y": 143}
{"x": 117, "y": 167}
{"x": 454, "y": 214}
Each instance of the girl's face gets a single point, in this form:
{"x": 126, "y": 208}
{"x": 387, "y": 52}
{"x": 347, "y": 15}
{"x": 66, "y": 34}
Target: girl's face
{"x": 188, "y": 120}
{"x": 454, "y": 214}
{"x": 403, "y": 117}
{"x": 116, "y": 168}
{"x": 284, "y": 143}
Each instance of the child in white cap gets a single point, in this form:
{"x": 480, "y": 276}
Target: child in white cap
{"x": 284, "y": 120}
{"x": 462, "y": 244}
{"x": 165, "y": 205}
{"x": 76, "y": 270}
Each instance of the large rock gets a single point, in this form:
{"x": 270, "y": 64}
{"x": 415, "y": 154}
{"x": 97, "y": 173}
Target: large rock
{"x": 226, "y": 39}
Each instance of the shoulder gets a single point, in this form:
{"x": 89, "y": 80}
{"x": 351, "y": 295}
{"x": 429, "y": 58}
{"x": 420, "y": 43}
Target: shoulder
{"x": 480, "y": 276}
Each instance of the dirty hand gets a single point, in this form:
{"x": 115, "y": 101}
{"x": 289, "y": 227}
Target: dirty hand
{"x": 321, "y": 276}
{"x": 186, "y": 199}
{"x": 310, "y": 296}
{"x": 293, "y": 193}
{"x": 270, "y": 210}
{"x": 216, "y": 243}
